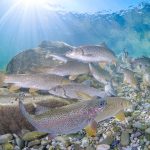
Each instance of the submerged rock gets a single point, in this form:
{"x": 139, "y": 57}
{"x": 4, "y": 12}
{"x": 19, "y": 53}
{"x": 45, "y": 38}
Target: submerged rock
{"x": 103, "y": 147}
{"x": 30, "y": 136}
{"x": 26, "y": 60}
{"x": 125, "y": 138}
{"x": 5, "y": 138}
{"x": 147, "y": 133}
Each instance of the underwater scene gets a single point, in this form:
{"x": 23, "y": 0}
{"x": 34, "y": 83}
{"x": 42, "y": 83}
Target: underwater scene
{"x": 74, "y": 75}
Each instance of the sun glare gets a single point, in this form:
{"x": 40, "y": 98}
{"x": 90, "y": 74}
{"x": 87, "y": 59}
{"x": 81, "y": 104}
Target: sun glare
{"x": 34, "y": 3}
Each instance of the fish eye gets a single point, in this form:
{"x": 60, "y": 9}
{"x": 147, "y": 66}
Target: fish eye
{"x": 102, "y": 103}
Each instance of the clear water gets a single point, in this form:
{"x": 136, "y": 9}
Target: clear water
{"x": 21, "y": 29}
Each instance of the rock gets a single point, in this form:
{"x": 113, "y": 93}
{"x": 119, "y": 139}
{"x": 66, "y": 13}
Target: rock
{"x": 8, "y": 146}
{"x": 18, "y": 141}
{"x": 26, "y": 60}
{"x": 30, "y": 136}
{"x": 85, "y": 142}
{"x": 108, "y": 138}
{"x": 64, "y": 140}
{"x": 139, "y": 125}
{"x": 5, "y": 138}
{"x": 1, "y": 148}
{"x": 33, "y": 143}
{"x": 90, "y": 147}
{"x": 147, "y": 134}
{"x": 103, "y": 147}
{"x": 125, "y": 138}
{"x": 45, "y": 142}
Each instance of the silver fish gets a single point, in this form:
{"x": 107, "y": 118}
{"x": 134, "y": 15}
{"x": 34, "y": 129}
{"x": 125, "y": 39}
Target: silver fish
{"x": 35, "y": 81}
{"x": 92, "y": 53}
{"x": 60, "y": 58}
{"x": 73, "y": 91}
{"x": 100, "y": 75}
{"x": 71, "y": 68}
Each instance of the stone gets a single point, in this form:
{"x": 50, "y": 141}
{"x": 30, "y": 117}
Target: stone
{"x": 103, "y": 147}
{"x": 8, "y": 146}
{"x": 85, "y": 142}
{"x": 64, "y": 140}
{"x": 147, "y": 134}
{"x": 30, "y": 136}
{"x": 139, "y": 125}
{"x": 5, "y": 138}
{"x": 33, "y": 143}
{"x": 19, "y": 141}
{"x": 125, "y": 138}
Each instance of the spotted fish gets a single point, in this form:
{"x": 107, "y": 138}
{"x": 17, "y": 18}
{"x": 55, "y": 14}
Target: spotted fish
{"x": 64, "y": 120}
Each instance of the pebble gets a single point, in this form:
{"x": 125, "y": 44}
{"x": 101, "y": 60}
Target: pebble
{"x": 19, "y": 141}
{"x": 7, "y": 146}
{"x": 33, "y": 143}
{"x": 139, "y": 125}
{"x": 30, "y": 136}
{"x": 5, "y": 138}
{"x": 85, "y": 142}
{"x": 125, "y": 138}
{"x": 103, "y": 147}
{"x": 147, "y": 134}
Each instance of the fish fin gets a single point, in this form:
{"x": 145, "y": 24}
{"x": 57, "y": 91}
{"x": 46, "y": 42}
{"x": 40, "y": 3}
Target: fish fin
{"x": 2, "y": 76}
{"x": 73, "y": 77}
{"x": 33, "y": 91}
{"x": 84, "y": 95}
{"x": 102, "y": 64}
{"x": 40, "y": 109}
{"x": 24, "y": 111}
{"x": 120, "y": 116}
{"x": 13, "y": 88}
{"x": 91, "y": 129}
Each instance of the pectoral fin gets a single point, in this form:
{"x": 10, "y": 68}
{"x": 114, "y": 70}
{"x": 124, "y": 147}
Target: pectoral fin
{"x": 13, "y": 88}
{"x": 120, "y": 116}
{"x": 91, "y": 129}
{"x": 73, "y": 77}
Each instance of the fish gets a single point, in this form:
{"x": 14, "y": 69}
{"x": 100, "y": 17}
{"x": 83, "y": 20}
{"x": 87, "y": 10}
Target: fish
{"x": 33, "y": 81}
{"x": 71, "y": 68}
{"x": 141, "y": 62}
{"x": 114, "y": 108}
{"x": 12, "y": 121}
{"x": 75, "y": 90}
{"x": 64, "y": 120}
{"x": 115, "y": 105}
{"x": 110, "y": 90}
{"x": 100, "y": 74}
{"x": 129, "y": 78}
{"x": 92, "y": 53}
{"x": 60, "y": 58}
{"x": 146, "y": 77}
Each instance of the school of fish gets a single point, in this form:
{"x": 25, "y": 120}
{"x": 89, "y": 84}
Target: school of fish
{"x": 96, "y": 96}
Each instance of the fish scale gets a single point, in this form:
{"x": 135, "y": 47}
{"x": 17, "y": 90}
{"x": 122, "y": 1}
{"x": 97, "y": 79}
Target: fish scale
{"x": 65, "y": 120}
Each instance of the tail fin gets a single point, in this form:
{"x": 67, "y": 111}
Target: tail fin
{"x": 23, "y": 109}
{"x": 2, "y": 76}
